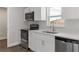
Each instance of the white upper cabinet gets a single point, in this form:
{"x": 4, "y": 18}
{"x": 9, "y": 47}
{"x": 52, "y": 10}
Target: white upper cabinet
{"x": 39, "y": 13}
{"x": 70, "y": 12}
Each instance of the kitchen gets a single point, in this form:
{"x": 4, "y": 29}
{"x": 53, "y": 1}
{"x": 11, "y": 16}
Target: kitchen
{"x": 60, "y": 36}
{"x": 39, "y": 29}
{"x": 43, "y": 29}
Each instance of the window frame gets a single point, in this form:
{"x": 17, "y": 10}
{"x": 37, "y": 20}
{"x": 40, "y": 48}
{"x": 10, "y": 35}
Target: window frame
{"x": 48, "y": 13}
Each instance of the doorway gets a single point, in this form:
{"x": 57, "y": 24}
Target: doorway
{"x": 3, "y": 27}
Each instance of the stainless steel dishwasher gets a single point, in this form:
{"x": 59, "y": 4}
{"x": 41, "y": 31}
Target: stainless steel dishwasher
{"x": 60, "y": 45}
{"x": 66, "y": 45}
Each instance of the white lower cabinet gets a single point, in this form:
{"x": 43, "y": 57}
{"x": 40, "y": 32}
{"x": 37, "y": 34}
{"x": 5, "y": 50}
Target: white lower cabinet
{"x": 41, "y": 42}
{"x": 32, "y": 41}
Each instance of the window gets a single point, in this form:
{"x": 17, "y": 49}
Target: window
{"x": 55, "y": 16}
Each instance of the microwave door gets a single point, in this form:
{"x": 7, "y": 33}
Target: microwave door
{"x": 29, "y": 16}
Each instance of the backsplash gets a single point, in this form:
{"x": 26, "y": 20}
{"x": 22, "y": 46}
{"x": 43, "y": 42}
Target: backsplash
{"x": 71, "y": 26}
{"x": 43, "y": 26}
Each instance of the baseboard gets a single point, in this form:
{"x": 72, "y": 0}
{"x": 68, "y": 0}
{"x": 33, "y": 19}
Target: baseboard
{"x": 13, "y": 44}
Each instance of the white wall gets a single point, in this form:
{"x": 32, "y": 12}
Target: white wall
{"x": 3, "y": 23}
{"x": 15, "y": 24}
{"x": 70, "y": 12}
{"x": 71, "y": 16}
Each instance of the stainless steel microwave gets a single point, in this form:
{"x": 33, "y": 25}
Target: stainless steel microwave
{"x": 29, "y": 16}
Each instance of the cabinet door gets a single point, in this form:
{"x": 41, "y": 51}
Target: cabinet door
{"x": 37, "y": 13}
{"x": 43, "y": 14}
{"x": 47, "y": 43}
{"x": 33, "y": 41}
{"x": 40, "y": 14}
{"x": 39, "y": 42}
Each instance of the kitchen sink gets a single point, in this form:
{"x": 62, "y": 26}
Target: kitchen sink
{"x": 50, "y": 32}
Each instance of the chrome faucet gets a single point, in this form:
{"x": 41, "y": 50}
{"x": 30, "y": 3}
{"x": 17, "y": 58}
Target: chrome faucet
{"x": 53, "y": 27}
{"x": 53, "y": 23}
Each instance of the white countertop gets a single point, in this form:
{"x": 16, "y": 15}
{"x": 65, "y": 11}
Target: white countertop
{"x": 66, "y": 35}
